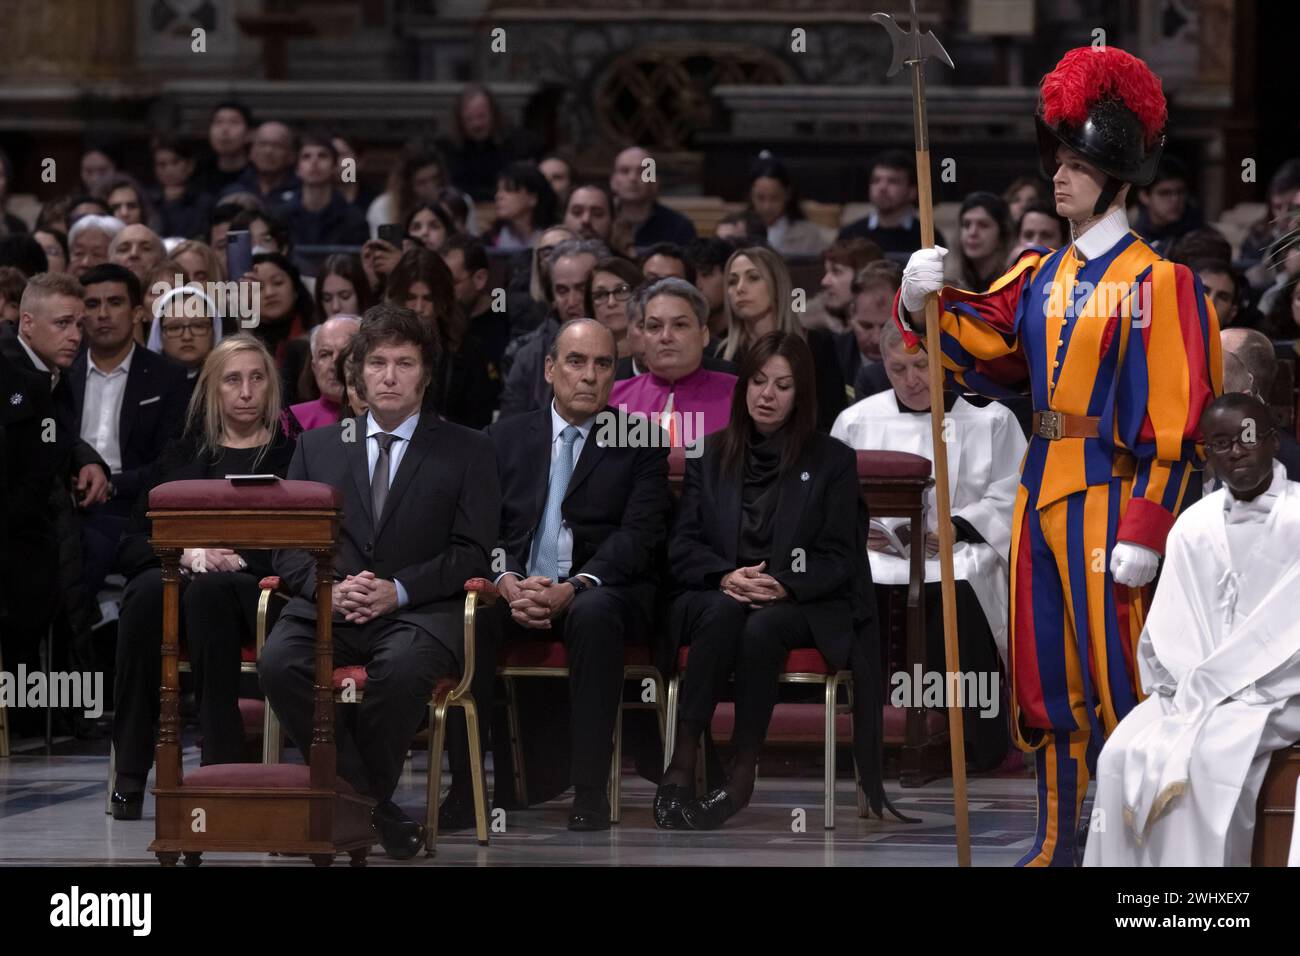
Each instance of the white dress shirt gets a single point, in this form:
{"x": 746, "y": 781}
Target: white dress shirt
{"x": 403, "y": 433}
{"x": 101, "y": 410}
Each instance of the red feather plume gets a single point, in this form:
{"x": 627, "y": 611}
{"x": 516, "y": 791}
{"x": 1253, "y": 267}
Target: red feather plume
{"x": 1087, "y": 74}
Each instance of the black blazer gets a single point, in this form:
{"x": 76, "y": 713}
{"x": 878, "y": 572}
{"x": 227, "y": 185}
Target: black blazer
{"x": 819, "y": 511}
{"x": 616, "y": 504}
{"x": 153, "y": 412}
{"x": 438, "y": 527}
{"x": 181, "y": 461}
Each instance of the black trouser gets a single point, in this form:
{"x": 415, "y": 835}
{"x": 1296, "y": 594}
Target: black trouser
{"x": 218, "y": 616}
{"x": 403, "y": 663}
{"x": 727, "y": 638}
{"x": 101, "y": 530}
{"x": 594, "y": 629}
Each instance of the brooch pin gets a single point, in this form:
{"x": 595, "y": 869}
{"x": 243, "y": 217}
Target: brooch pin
{"x": 16, "y": 398}
{"x": 804, "y": 477}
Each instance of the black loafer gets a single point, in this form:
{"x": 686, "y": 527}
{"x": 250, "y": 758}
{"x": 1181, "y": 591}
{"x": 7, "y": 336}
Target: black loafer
{"x": 456, "y": 812}
{"x": 710, "y": 811}
{"x": 669, "y": 800}
{"x": 400, "y": 836}
{"x": 127, "y": 806}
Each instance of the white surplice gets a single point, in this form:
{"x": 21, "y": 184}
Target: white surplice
{"x": 1178, "y": 780}
{"x": 985, "y": 451}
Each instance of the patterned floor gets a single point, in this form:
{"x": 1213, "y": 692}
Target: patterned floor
{"x": 52, "y": 812}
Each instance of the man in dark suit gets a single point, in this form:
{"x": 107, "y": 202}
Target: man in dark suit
{"x": 421, "y": 504}
{"x": 124, "y": 400}
{"x": 583, "y": 515}
{"x": 44, "y": 463}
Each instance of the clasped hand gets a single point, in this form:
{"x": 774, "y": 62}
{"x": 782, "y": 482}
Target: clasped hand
{"x": 752, "y": 587}
{"x": 364, "y": 597}
{"x": 535, "y": 601}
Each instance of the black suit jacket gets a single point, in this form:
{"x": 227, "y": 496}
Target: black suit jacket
{"x": 438, "y": 527}
{"x": 616, "y": 504}
{"x": 153, "y": 412}
{"x": 819, "y": 511}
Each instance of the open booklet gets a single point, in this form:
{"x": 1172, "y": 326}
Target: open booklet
{"x": 896, "y": 544}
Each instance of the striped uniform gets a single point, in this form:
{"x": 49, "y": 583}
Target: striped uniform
{"x": 1130, "y": 339}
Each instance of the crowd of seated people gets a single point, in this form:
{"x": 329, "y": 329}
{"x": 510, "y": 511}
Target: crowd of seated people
{"x": 121, "y": 325}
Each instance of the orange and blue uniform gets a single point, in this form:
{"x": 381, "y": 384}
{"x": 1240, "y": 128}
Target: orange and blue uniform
{"x": 1130, "y": 341}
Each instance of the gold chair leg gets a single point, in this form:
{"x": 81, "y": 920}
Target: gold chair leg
{"x": 516, "y": 743}
{"x": 863, "y": 810}
{"x": 272, "y": 737}
{"x": 616, "y": 766}
{"x": 829, "y": 785}
{"x": 670, "y": 720}
{"x": 112, "y": 778}
{"x": 660, "y": 705}
{"x": 477, "y": 775}
{"x": 437, "y": 738}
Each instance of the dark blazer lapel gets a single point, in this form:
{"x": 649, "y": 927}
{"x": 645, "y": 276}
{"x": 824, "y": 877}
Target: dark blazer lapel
{"x": 790, "y": 505}
{"x": 535, "y": 450}
{"x": 727, "y": 513}
{"x": 412, "y": 458}
{"x": 137, "y": 387}
{"x": 592, "y": 454}
{"x": 359, "y": 465}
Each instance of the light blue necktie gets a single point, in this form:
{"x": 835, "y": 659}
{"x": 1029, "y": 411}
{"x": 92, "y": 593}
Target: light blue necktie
{"x": 547, "y": 562}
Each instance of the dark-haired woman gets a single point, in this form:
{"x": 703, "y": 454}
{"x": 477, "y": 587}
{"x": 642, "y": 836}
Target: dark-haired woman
{"x": 234, "y": 427}
{"x": 286, "y": 314}
{"x": 774, "y": 197}
{"x": 463, "y": 389}
{"x": 525, "y": 205}
{"x": 985, "y": 240}
{"x": 769, "y": 553}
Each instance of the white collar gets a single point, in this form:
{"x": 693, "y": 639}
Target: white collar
{"x": 403, "y": 431}
{"x": 558, "y": 424}
{"x": 1101, "y": 236}
{"x": 123, "y": 367}
{"x": 873, "y": 221}
{"x": 1262, "y": 503}
{"x": 36, "y": 359}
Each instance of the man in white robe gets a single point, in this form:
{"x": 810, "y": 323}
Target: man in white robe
{"x": 1219, "y": 657}
{"x": 985, "y": 449}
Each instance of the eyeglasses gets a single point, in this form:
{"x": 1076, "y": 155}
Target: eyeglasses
{"x": 1221, "y": 446}
{"x": 177, "y": 330}
{"x": 619, "y": 293}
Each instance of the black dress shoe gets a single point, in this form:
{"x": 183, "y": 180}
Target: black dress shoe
{"x": 589, "y": 813}
{"x": 669, "y": 800}
{"x": 400, "y": 836}
{"x": 710, "y": 811}
{"x": 127, "y": 806}
{"x": 457, "y": 812}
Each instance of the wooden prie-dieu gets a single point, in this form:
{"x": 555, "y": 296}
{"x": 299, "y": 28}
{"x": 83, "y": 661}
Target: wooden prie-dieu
{"x": 252, "y": 808}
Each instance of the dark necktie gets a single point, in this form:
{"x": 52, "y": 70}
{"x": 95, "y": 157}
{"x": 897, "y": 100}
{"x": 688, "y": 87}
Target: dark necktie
{"x": 379, "y": 480}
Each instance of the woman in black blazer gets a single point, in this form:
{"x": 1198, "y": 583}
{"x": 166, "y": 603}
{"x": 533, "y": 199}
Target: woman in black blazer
{"x": 769, "y": 553}
{"x": 234, "y": 427}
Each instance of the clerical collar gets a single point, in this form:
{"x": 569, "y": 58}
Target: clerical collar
{"x": 949, "y": 400}
{"x": 1102, "y": 235}
{"x": 684, "y": 380}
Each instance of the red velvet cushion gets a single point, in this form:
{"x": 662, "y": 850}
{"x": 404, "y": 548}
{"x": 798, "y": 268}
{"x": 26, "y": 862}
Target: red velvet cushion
{"x": 269, "y": 583}
{"x": 892, "y": 464}
{"x": 260, "y": 775}
{"x": 533, "y": 654}
{"x": 221, "y": 494}
{"x": 482, "y": 586}
{"x": 444, "y": 687}
{"x": 357, "y": 673}
{"x": 636, "y": 655}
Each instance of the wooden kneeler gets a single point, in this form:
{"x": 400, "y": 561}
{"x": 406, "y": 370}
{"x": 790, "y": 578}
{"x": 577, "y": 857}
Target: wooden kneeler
{"x": 252, "y": 808}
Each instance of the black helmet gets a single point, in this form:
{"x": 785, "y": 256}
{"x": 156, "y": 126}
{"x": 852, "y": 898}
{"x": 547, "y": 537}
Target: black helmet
{"x": 1111, "y": 138}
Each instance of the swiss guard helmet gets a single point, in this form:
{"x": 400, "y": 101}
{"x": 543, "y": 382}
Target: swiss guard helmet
{"x": 1108, "y": 107}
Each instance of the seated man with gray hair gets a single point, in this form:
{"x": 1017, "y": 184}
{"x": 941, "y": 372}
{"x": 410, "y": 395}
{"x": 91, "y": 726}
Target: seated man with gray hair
{"x": 677, "y": 389}
{"x": 89, "y": 240}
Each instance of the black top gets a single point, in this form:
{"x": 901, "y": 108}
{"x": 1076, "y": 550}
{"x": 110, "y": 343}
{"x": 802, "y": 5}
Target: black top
{"x": 758, "y": 495}
{"x": 896, "y": 242}
{"x": 664, "y": 225}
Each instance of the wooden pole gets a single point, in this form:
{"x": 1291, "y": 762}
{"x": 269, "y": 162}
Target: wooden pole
{"x": 933, "y": 348}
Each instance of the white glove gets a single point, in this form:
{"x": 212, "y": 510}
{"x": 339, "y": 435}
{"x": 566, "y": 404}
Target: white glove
{"x": 923, "y": 275}
{"x": 1133, "y": 565}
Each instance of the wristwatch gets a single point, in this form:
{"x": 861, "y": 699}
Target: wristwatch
{"x": 578, "y": 585}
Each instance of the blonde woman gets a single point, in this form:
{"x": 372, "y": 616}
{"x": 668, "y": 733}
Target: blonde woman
{"x": 233, "y": 427}
{"x": 760, "y": 299}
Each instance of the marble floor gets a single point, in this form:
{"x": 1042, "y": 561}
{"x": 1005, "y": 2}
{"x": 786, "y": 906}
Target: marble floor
{"x": 52, "y": 813}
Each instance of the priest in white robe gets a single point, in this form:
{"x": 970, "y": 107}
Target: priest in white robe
{"x": 985, "y": 449}
{"x": 1219, "y": 657}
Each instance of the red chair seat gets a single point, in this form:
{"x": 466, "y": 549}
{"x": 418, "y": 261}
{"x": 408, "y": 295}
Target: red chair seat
{"x": 444, "y": 687}
{"x": 801, "y": 660}
{"x": 552, "y": 654}
{"x": 259, "y": 775}
{"x": 356, "y": 672}
{"x": 892, "y": 464}
{"x": 251, "y": 713}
